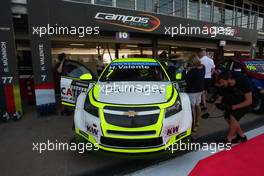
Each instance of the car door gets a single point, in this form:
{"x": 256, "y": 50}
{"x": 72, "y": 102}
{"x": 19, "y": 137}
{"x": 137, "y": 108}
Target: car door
{"x": 70, "y": 84}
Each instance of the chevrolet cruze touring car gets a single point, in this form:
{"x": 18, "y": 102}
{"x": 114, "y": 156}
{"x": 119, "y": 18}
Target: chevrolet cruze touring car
{"x": 132, "y": 108}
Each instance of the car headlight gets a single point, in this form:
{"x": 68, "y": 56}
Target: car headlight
{"x": 175, "y": 108}
{"x": 88, "y": 107}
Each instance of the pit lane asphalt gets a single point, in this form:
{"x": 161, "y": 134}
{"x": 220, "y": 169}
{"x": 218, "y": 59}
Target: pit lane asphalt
{"x": 17, "y": 157}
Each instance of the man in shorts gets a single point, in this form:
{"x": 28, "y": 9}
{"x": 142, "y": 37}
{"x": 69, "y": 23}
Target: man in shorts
{"x": 209, "y": 69}
{"x": 236, "y": 100}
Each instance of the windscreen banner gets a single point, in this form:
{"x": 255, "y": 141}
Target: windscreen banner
{"x": 41, "y": 58}
{"x": 10, "y": 101}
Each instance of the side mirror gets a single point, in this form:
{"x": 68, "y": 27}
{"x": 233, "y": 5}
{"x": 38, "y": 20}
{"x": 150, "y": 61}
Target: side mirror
{"x": 178, "y": 76}
{"x": 86, "y": 77}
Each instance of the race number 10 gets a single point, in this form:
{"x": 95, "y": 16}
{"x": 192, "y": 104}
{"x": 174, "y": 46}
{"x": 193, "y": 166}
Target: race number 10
{"x": 122, "y": 36}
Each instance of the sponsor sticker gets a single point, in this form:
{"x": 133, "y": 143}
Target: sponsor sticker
{"x": 170, "y": 130}
{"x": 71, "y": 91}
{"x": 255, "y": 66}
{"x": 141, "y": 22}
{"x": 92, "y": 129}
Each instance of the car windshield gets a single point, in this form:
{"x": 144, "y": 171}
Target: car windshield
{"x": 255, "y": 66}
{"x": 134, "y": 71}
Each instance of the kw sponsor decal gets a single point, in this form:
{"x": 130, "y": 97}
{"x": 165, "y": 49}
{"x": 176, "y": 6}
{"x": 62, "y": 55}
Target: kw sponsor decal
{"x": 92, "y": 129}
{"x": 142, "y": 22}
{"x": 172, "y": 130}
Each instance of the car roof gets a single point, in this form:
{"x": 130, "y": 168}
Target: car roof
{"x": 135, "y": 60}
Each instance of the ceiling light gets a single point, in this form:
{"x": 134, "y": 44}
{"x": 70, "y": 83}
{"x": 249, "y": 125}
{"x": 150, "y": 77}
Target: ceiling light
{"x": 76, "y": 44}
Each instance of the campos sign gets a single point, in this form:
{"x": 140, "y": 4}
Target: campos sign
{"x": 141, "y": 22}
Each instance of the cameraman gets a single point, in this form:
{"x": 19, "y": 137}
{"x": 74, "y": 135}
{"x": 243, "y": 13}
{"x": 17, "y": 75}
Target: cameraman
{"x": 235, "y": 99}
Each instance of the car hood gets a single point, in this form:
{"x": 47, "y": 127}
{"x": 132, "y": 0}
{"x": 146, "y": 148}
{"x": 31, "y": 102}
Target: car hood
{"x": 133, "y": 93}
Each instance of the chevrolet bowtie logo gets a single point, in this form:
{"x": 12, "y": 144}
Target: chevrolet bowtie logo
{"x": 131, "y": 113}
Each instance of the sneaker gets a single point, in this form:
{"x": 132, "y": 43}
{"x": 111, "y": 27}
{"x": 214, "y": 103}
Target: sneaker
{"x": 243, "y": 139}
{"x": 205, "y": 116}
{"x": 238, "y": 139}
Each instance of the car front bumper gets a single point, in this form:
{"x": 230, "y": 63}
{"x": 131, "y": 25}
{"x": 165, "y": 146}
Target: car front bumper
{"x": 173, "y": 139}
{"x": 151, "y": 138}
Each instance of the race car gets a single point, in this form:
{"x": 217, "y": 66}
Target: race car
{"x": 132, "y": 108}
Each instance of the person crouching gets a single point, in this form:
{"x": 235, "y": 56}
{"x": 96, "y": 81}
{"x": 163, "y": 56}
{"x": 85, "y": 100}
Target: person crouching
{"x": 236, "y": 100}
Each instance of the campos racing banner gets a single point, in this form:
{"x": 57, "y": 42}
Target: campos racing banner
{"x": 141, "y": 22}
{"x": 66, "y": 15}
{"x": 10, "y": 101}
{"x": 71, "y": 89}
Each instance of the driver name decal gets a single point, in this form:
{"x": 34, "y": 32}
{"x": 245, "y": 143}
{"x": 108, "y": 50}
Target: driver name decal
{"x": 132, "y": 65}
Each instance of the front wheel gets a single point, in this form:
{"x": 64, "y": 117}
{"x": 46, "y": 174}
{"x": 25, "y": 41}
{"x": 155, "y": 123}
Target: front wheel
{"x": 258, "y": 102}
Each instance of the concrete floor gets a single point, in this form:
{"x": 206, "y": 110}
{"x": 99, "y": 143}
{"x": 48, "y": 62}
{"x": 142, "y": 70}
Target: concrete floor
{"x": 17, "y": 157}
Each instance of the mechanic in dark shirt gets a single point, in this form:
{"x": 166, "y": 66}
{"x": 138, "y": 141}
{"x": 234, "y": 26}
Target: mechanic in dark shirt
{"x": 235, "y": 99}
{"x": 195, "y": 85}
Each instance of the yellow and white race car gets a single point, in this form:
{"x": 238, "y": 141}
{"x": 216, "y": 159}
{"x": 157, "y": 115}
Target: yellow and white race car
{"x": 132, "y": 108}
